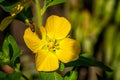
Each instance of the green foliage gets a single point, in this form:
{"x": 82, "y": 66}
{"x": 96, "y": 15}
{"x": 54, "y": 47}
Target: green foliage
{"x": 71, "y": 75}
{"x": 9, "y": 56}
{"x": 26, "y": 13}
{"x": 2, "y": 75}
{"x": 104, "y": 8}
{"x": 13, "y": 76}
{"x": 87, "y": 60}
{"x": 16, "y": 52}
{"x": 87, "y": 28}
{"x": 5, "y": 22}
{"x": 112, "y": 50}
{"x": 49, "y": 3}
{"x": 50, "y": 76}
{"x": 117, "y": 15}
{"x": 109, "y": 41}
{"x": 7, "y": 6}
{"x": 10, "y": 52}
{"x": 99, "y": 6}
{"x": 108, "y": 9}
{"x": 13, "y": 9}
{"x": 62, "y": 66}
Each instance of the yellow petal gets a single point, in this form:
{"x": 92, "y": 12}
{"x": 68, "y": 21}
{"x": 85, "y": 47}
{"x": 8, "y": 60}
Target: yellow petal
{"x": 69, "y": 50}
{"x": 46, "y": 61}
{"x": 57, "y": 27}
{"x": 32, "y": 40}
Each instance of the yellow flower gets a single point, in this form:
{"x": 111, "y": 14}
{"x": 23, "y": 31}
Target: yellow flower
{"x": 54, "y": 46}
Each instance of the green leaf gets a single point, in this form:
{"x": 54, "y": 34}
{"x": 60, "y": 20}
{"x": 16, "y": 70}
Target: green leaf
{"x": 72, "y": 75}
{"x": 4, "y": 55}
{"x": 50, "y": 76}
{"x": 1, "y": 55}
{"x": 13, "y": 44}
{"x": 86, "y": 60}
{"x": 11, "y": 52}
{"x": 54, "y": 2}
{"x": 7, "y": 6}
{"x": 5, "y": 48}
{"x": 5, "y": 22}
{"x": 16, "y": 51}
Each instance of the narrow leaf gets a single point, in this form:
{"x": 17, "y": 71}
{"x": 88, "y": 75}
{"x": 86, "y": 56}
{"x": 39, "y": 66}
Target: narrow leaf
{"x": 1, "y": 55}
{"x": 54, "y": 2}
{"x": 7, "y": 6}
{"x": 88, "y": 61}
{"x": 5, "y": 48}
{"x": 5, "y": 22}
{"x": 16, "y": 51}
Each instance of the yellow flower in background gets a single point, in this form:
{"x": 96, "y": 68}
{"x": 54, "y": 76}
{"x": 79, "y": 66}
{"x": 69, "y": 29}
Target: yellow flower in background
{"x": 54, "y": 46}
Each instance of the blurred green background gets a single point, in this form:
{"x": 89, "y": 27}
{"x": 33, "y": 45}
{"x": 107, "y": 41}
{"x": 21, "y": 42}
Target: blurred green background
{"x": 95, "y": 24}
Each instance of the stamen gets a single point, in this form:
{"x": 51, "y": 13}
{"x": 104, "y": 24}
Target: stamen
{"x": 53, "y": 45}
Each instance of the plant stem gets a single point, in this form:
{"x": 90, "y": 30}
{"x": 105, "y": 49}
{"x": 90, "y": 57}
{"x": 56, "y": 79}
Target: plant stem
{"x": 39, "y": 23}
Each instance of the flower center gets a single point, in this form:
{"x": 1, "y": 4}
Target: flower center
{"x": 52, "y": 45}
